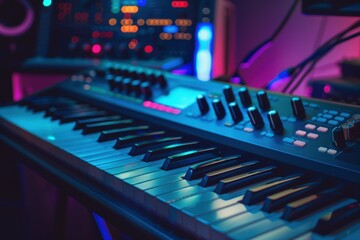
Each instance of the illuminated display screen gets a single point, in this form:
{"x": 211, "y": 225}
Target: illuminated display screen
{"x": 125, "y": 29}
{"x": 179, "y": 97}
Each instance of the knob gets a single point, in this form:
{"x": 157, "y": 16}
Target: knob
{"x": 111, "y": 81}
{"x": 118, "y": 83}
{"x": 349, "y": 131}
{"x": 126, "y": 85}
{"x": 146, "y": 90}
{"x": 275, "y": 121}
{"x": 245, "y": 97}
{"x": 255, "y": 117}
{"x": 135, "y": 86}
{"x": 218, "y": 108}
{"x": 203, "y": 104}
{"x": 229, "y": 94}
{"x": 338, "y": 137}
{"x": 263, "y": 100}
{"x": 356, "y": 123}
{"x": 298, "y": 107}
{"x": 235, "y": 112}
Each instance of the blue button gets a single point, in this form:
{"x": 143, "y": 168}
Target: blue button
{"x": 333, "y": 122}
{"x": 288, "y": 140}
{"x": 283, "y": 118}
{"x": 343, "y": 114}
{"x": 321, "y": 120}
{"x": 305, "y": 104}
{"x": 263, "y": 133}
{"x": 313, "y": 105}
{"x": 313, "y": 118}
{"x": 328, "y": 116}
{"x": 319, "y": 115}
{"x": 239, "y": 127}
{"x": 333, "y": 112}
{"x": 292, "y": 119}
{"x": 269, "y": 134}
{"x": 339, "y": 119}
{"x": 325, "y": 111}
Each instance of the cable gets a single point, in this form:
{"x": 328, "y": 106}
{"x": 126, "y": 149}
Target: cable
{"x": 315, "y": 61}
{"x": 320, "y": 51}
{"x": 255, "y": 52}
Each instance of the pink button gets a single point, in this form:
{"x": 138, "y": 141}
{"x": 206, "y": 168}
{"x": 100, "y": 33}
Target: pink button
{"x": 312, "y": 135}
{"x": 310, "y": 126}
{"x": 300, "y": 133}
{"x": 299, "y": 143}
{"x": 322, "y": 129}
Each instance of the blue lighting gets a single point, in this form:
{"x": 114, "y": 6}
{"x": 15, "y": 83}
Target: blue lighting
{"x": 51, "y": 138}
{"x": 104, "y": 231}
{"x": 141, "y": 2}
{"x": 171, "y": 29}
{"x": 47, "y": 3}
{"x": 203, "y": 52}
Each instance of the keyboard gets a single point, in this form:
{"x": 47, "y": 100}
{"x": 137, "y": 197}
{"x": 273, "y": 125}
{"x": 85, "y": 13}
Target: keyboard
{"x": 203, "y": 160}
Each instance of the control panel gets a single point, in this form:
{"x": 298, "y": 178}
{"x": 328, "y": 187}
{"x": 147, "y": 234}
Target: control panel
{"x": 299, "y": 131}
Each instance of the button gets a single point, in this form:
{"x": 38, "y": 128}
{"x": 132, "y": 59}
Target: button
{"x": 263, "y": 133}
{"x": 322, "y": 149}
{"x": 328, "y": 116}
{"x": 228, "y": 124}
{"x": 145, "y": 89}
{"x": 312, "y": 135}
{"x": 299, "y": 143}
{"x": 340, "y": 119}
{"x": 291, "y": 119}
{"x": 344, "y": 114}
{"x": 321, "y": 120}
{"x": 331, "y": 151}
{"x": 247, "y": 129}
{"x": 322, "y": 129}
{"x": 325, "y": 111}
{"x": 229, "y": 94}
{"x": 288, "y": 140}
{"x": 300, "y": 133}
{"x": 313, "y": 105}
{"x": 310, "y": 126}
{"x": 245, "y": 96}
{"x": 333, "y": 122}
{"x": 333, "y": 112}
{"x": 313, "y": 118}
{"x": 269, "y": 134}
{"x": 239, "y": 127}
{"x": 319, "y": 115}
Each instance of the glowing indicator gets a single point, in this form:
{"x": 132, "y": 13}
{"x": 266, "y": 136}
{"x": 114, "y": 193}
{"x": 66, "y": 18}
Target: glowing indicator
{"x": 95, "y": 34}
{"x": 203, "y": 53}
{"x": 129, "y": 29}
{"x": 179, "y": 4}
{"x": 129, "y": 9}
{"x": 148, "y": 49}
{"x": 160, "y": 107}
{"x": 96, "y": 49}
{"x": 183, "y": 22}
{"x": 171, "y": 29}
{"x": 51, "y": 138}
{"x": 47, "y": 3}
{"x": 327, "y": 88}
{"x": 158, "y": 22}
{"x": 133, "y": 43}
{"x": 112, "y": 21}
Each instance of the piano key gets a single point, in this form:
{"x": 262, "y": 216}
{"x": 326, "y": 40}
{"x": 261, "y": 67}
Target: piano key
{"x": 108, "y": 135}
{"x": 257, "y": 194}
{"x": 338, "y": 218}
{"x": 304, "y": 206}
{"x": 53, "y": 110}
{"x": 239, "y": 181}
{"x": 127, "y": 141}
{"x": 81, "y": 123}
{"x": 82, "y": 115}
{"x": 60, "y": 114}
{"x": 141, "y": 148}
{"x": 213, "y": 177}
{"x": 280, "y": 199}
{"x": 200, "y": 170}
{"x": 98, "y": 127}
{"x": 189, "y": 157}
{"x": 159, "y": 153}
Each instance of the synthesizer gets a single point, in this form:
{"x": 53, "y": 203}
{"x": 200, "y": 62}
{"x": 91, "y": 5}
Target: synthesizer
{"x": 203, "y": 160}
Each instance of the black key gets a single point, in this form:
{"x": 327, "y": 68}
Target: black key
{"x": 200, "y": 170}
{"x": 127, "y": 141}
{"x": 338, "y": 218}
{"x": 141, "y": 148}
{"x": 108, "y": 135}
{"x": 310, "y": 203}
{"x": 280, "y": 199}
{"x": 188, "y": 158}
{"x": 60, "y": 114}
{"x": 259, "y": 193}
{"x": 82, "y": 115}
{"x": 213, "y": 177}
{"x": 53, "y": 110}
{"x": 245, "y": 179}
{"x": 98, "y": 127}
{"x": 156, "y": 154}
{"x": 81, "y": 123}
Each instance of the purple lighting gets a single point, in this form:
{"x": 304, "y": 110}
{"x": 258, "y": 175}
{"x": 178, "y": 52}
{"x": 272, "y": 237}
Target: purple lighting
{"x": 258, "y": 52}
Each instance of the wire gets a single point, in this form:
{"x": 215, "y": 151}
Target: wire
{"x": 323, "y": 49}
{"x": 313, "y": 64}
{"x": 255, "y": 52}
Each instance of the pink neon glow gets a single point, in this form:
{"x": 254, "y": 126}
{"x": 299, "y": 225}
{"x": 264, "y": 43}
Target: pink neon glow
{"x": 160, "y": 107}
{"x": 17, "y": 91}
{"x": 327, "y": 88}
{"x": 256, "y": 55}
{"x": 96, "y": 48}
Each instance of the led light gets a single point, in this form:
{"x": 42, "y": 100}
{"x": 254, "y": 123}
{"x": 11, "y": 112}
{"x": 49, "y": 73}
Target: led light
{"x": 112, "y": 21}
{"x": 203, "y": 53}
{"x": 47, "y": 3}
{"x": 148, "y": 49}
{"x": 96, "y": 49}
{"x": 327, "y": 88}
